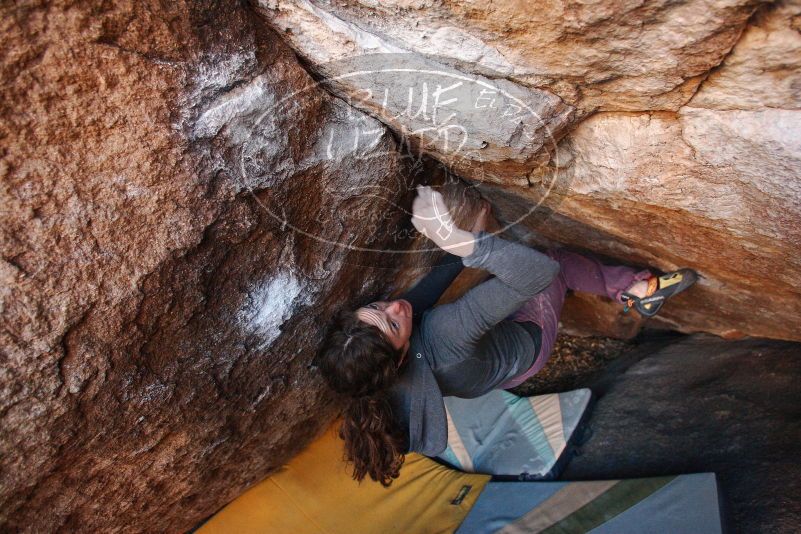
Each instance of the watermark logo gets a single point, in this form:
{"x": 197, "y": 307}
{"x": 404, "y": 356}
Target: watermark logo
{"x": 400, "y": 120}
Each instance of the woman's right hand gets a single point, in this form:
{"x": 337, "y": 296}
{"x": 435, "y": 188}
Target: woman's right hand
{"x": 431, "y": 217}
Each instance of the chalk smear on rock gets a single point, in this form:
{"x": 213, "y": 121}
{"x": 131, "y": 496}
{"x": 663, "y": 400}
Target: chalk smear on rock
{"x": 270, "y": 303}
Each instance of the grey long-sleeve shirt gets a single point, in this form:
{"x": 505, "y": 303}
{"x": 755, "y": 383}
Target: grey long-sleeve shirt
{"x": 467, "y": 348}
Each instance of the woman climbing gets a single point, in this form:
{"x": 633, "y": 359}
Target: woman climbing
{"x": 397, "y": 359}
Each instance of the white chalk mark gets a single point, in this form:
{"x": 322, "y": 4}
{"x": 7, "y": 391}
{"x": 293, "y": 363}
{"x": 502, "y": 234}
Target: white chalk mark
{"x": 269, "y": 305}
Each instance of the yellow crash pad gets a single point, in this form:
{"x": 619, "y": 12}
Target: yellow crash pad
{"x": 315, "y": 493}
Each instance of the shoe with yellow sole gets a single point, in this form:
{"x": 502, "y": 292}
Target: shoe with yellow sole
{"x": 660, "y": 288}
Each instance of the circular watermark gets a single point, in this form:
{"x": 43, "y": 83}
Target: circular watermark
{"x": 399, "y": 121}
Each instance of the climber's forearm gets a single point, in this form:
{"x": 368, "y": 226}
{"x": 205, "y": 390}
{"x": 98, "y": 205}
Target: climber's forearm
{"x": 427, "y": 291}
{"x": 457, "y": 241}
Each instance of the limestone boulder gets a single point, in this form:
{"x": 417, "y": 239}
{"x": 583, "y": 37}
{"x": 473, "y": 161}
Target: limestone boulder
{"x": 612, "y": 55}
{"x": 715, "y": 191}
{"x": 183, "y": 210}
{"x": 482, "y": 127}
{"x": 185, "y": 205}
{"x": 714, "y": 186}
{"x": 681, "y": 150}
{"x": 763, "y": 70}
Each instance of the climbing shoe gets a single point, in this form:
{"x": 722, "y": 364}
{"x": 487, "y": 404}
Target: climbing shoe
{"x": 660, "y": 288}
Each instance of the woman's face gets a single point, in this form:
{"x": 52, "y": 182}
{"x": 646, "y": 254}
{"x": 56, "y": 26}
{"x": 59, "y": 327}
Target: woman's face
{"x": 393, "y": 318}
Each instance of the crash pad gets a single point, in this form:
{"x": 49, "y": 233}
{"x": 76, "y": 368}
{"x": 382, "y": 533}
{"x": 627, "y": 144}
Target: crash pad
{"x": 528, "y": 438}
{"x": 683, "y": 504}
{"x": 314, "y": 493}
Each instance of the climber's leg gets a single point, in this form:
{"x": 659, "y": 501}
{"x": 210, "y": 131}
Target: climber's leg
{"x": 576, "y": 272}
{"x": 542, "y": 309}
{"x": 583, "y": 273}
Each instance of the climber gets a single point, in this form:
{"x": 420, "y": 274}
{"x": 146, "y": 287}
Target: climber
{"x": 395, "y": 360}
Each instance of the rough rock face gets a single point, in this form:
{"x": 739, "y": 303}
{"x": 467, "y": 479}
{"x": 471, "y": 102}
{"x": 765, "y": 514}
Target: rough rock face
{"x": 177, "y": 192}
{"x": 693, "y": 159}
{"x": 613, "y": 55}
{"x": 700, "y": 405}
{"x": 485, "y": 128}
{"x": 171, "y": 233}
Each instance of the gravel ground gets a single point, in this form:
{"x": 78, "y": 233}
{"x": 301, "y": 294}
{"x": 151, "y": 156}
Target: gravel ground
{"x": 575, "y": 363}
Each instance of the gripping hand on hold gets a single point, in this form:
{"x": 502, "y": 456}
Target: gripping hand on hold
{"x": 431, "y": 217}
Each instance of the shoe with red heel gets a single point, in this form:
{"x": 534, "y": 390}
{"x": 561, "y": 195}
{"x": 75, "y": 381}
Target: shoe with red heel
{"x": 660, "y": 288}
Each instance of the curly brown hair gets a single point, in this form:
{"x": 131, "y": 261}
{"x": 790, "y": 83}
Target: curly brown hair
{"x": 358, "y": 361}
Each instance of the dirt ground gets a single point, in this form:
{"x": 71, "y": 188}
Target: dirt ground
{"x": 575, "y": 362}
